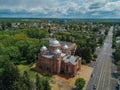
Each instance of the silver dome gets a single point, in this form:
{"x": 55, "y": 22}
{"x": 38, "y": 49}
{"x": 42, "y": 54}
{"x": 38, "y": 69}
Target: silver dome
{"x": 56, "y": 51}
{"x": 65, "y": 46}
{"x": 43, "y": 48}
{"x": 54, "y": 43}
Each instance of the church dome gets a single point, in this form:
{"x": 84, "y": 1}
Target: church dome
{"x": 43, "y": 48}
{"x": 54, "y": 43}
{"x": 57, "y": 51}
{"x": 65, "y": 46}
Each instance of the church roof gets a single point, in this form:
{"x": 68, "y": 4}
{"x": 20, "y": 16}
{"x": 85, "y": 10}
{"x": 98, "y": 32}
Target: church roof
{"x": 54, "y": 43}
{"x": 65, "y": 46}
{"x": 71, "y": 59}
{"x": 43, "y": 48}
{"x": 56, "y": 51}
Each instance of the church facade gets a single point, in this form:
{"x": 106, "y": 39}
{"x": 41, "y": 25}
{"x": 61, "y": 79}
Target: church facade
{"x": 58, "y": 59}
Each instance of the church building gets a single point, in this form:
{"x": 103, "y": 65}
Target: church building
{"x": 58, "y": 58}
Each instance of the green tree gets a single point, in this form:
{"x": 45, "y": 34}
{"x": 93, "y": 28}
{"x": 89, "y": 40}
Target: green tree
{"x": 12, "y": 52}
{"x": 1, "y": 48}
{"x": 117, "y": 53}
{"x": 17, "y": 86}
{"x": 39, "y": 85}
{"x": 3, "y": 26}
{"x": 10, "y": 76}
{"x": 7, "y": 40}
{"x": 83, "y": 61}
{"x": 23, "y": 47}
{"x": 35, "y": 33}
{"x": 26, "y": 80}
{"x": 95, "y": 29}
{"x": 106, "y": 32}
{"x": 8, "y": 24}
{"x": 95, "y": 55}
{"x": 80, "y": 82}
{"x": 101, "y": 40}
{"x": 85, "y": 53}
{"x": 46, "y": 85}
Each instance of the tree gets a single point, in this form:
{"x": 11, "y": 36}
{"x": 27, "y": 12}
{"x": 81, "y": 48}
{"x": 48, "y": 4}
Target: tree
{"x": 86, "y": 54}
{"x": 17, "y": 86}
{"x": 80, "y": 82}
{"x": 83, "y": 61}
{"x": 12, "y": 52}
{"x": 46, "y": 85}
{"x": 32, "y": 50}
{"x": 106, "y": 32}
{"x": 35, "y": 33}
{"x": 95, "y": 29}
{"x": 95, "y": 55}
{"x": 23, "y": 47}
{"x": 8, "y": 24}
{"x": 20, "y": 36}
{"x": 7, "y": 39}
{"x": 3, "y": 26}
{"x": 39, "y": 85}
{"x": 26, "y": 80}
{"x": 10, "y": 76}
{"x": 101, "y": 40}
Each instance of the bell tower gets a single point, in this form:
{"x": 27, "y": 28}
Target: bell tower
{"x": 57, "y": 58}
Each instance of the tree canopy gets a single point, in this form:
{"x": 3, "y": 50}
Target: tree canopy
{"x": 80, "y": 82}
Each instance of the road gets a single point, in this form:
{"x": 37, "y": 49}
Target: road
{"x": 102, "y": 74}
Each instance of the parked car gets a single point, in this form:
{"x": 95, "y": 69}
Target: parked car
{"x": 94, "y": 86}
{"x": 92, "y": 75}
{"x": 119, "y": 84}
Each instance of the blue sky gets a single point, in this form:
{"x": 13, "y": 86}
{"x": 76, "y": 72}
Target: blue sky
{"x": 60, "y": 8}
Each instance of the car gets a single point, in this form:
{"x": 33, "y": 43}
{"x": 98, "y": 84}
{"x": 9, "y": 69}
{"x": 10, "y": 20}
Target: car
{"x": 92, "y": 75}
{"x": 94, "y": 86}
{"x": 119, "y": 84}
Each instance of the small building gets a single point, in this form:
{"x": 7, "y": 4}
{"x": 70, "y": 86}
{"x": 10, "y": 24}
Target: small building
{"x": 57, "y": 59}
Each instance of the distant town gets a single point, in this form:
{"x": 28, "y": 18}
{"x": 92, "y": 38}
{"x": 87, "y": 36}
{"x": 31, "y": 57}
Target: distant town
{"x": 59, "y": 54}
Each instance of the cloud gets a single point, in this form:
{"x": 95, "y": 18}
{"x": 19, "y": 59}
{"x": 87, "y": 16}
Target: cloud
{"x": 60, "y": 8}
{"x": 96, "y": 5}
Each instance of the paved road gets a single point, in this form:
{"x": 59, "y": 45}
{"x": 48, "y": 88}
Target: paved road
{"x": 102, "y": 74}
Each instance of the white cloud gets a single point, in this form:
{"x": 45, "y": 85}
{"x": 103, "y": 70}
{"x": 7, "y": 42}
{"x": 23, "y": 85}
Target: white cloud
{"x": 59, "y": 8}
{"x": 110, "y": 6}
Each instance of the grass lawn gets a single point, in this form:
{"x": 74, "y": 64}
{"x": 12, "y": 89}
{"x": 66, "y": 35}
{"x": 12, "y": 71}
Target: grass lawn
{"x": 31, "y": 73}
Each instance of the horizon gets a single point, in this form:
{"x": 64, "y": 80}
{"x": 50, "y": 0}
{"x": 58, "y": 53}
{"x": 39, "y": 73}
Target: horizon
{"x": 54, "y": 18}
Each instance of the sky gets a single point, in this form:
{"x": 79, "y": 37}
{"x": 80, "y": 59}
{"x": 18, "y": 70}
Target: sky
{"x": 60, "y": 8}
